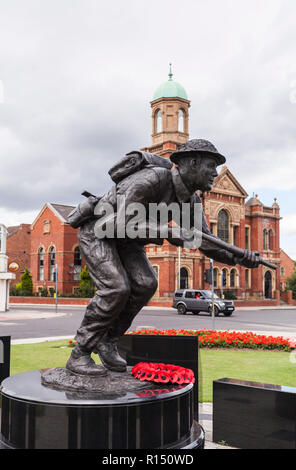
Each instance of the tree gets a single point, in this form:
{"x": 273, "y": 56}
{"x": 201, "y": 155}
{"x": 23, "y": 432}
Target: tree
{"x": 26, "y": 284}
{"x": 291, "y": 284}
{"x": 86, "y": 283}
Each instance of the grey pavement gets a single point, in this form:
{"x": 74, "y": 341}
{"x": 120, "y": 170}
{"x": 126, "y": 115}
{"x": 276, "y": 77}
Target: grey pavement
{"x": 35, "y": 321}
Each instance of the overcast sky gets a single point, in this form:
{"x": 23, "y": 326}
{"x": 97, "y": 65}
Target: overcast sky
{"x": 78, "y": 76}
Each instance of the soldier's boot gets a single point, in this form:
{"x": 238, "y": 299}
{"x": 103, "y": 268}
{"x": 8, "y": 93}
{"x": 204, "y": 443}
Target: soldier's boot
{"x": 80, "y": 362}
{"x": 109, "y": 355}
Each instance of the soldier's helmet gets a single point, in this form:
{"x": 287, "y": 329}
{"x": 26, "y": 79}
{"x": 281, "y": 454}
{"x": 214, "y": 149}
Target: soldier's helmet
{"x": 202, "y": 146}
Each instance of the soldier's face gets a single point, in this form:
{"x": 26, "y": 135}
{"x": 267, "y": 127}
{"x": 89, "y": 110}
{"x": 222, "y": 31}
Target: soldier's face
{"x": 208, "y": 172}
{"x": 200, "y": 172}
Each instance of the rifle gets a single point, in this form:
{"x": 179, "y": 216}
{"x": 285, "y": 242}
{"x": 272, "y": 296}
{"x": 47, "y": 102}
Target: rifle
{"x": 238, "y": 252}
{"x": 87, "y": 194}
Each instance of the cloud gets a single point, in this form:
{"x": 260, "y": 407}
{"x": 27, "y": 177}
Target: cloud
{"x": 78, "y": 78}
{"x": 288, "y": 224}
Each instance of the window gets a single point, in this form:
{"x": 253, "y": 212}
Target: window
{"x": 183, "y": 278}
{"x": 77, "y": 264}
{"x": 282, "y": 271}
{"x": 264, "y": 239}
{"x": 156, "y": 270}
{"x": 216, "y": 272}
{"x": 197, "y": 295}
{"x": 268, "y": 285}
{"x": 270, "y": 239}
{"x": 223, "y": 226}
{"x": 41, "y": 264}
{"x": 247, "y": 238}
{"x": 158, "y": 121}
{"x": 181, "y": 120}
{"x": 232, "y": 278}
{"x": 189, "y": 295}
{"x": 235, "y": 234}
{"x": 52, "y": 253}
{"x": 247, "y": 278}
{"x": 224, "y": 277}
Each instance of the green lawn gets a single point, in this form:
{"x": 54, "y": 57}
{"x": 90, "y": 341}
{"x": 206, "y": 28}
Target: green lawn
{"x": 271, "y": 367}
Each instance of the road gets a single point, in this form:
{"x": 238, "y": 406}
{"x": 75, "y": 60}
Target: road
{"x": 23, "y": 322}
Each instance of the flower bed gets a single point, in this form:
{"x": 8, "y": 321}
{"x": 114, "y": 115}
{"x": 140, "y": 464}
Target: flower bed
{"x": 227, "y": 339}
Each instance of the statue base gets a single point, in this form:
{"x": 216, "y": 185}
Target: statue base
{"x": 114, "y": 384}
{"x": 142, "y": 416}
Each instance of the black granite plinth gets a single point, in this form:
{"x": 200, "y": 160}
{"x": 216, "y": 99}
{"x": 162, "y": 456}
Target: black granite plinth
{"x": 253, "y": 415}
{"x": 4, "y": 357}
{"x": 178, "y": 350}
{"x": 35, "y": 416}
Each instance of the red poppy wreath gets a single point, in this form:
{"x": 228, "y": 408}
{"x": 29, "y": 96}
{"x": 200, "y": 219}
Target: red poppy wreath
{"x": 162, "y": 373}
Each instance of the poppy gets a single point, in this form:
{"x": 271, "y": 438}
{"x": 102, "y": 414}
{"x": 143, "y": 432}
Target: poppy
{"x": 177, "y": 378}
{"x": 164, "y": 377}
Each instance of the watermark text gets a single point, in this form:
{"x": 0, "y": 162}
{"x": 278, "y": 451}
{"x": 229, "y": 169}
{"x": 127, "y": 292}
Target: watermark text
{"x": 180, "y": 224}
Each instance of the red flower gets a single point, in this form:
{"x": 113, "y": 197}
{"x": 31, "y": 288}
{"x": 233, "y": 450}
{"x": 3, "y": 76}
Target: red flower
{"x": 162, "y": 373}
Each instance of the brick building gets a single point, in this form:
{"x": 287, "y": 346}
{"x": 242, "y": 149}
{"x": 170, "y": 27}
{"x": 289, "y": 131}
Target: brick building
{"x": 18, "y": 246}
{"x": 287, "y": 269}
{"x": 54, "y": 242}
{"x": 235, "y": 218}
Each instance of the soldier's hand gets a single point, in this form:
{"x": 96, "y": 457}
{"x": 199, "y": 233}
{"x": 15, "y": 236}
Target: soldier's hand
{"x": 249, "y": 260}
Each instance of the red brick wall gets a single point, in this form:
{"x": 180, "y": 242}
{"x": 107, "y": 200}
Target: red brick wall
{"x": 289, "y": 268}
{"x": 18, "y": 248}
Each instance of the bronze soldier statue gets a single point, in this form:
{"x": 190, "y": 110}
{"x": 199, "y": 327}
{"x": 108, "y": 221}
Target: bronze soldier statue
{"x": 124, "y": 278}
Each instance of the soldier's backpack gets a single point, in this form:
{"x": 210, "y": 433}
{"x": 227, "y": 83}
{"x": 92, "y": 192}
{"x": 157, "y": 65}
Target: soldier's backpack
{"x": 136, "y": 161}
{"x": 131, "y": 163}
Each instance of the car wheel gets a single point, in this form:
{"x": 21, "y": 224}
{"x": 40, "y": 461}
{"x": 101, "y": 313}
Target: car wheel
{"x": 227, "y": 314}
{"x": 216, "y": 310}
{"x": 181, "y": 309}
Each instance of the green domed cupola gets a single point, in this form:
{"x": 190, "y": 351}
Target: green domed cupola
{"x": 170, "y": 89}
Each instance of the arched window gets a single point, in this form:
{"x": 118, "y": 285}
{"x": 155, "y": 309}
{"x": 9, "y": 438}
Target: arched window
{"x": 52, "y": 254}
{"x": 77, "y": 264}
{"x": 181, "y": 120}
{"x": 216, "y": 274}
{"x": 232, "y": 277}
{"x": 265, "y": 243}
{"x": 268, "y": 285}
{"x": 224, "y": 277}
{"x": 270, "y": 239}
{"x": 158, "y": 121}
{"x": 235, "y": 235}
{"x": 247, "y": 238}
{"x": 223, "y": 226}
{"x": 183, "y": 278}
{"x": 156, "y": 270}
{"x": 41, "y": 264}
{"x": 247, "y": 278}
